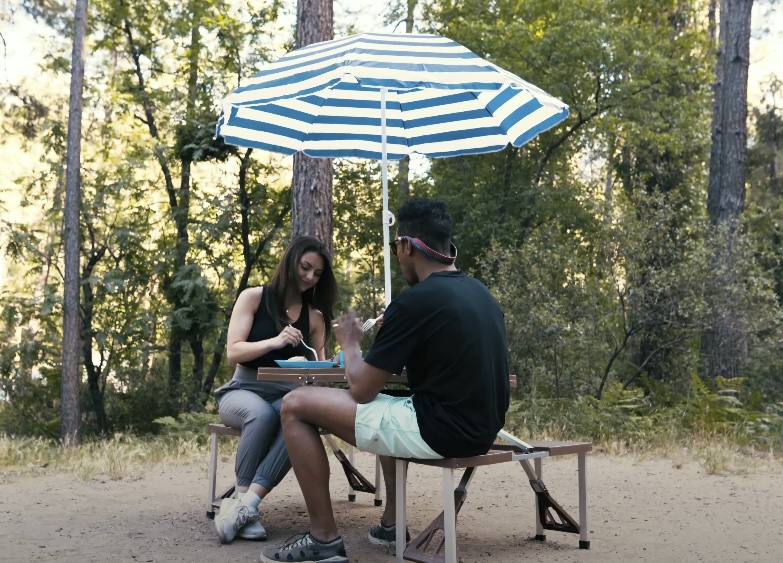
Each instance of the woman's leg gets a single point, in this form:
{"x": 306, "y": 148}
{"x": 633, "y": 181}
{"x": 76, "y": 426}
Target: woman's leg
{"x": 275, "y": 464}
{"x": 260, "y": 425}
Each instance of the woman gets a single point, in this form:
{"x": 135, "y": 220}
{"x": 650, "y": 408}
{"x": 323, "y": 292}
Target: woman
{"x": 267, "y": 324}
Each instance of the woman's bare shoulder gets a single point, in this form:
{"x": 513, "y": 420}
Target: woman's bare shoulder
{"x": 250, "y": 297}
{"x": 316, "y": 317}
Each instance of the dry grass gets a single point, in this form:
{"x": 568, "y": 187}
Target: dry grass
{"x": 125, "y": 457}
{"x": 716, "y": 453}
{"x": 120, "y": 458}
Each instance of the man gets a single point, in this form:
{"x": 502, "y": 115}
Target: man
{"x": 449, "y": 333}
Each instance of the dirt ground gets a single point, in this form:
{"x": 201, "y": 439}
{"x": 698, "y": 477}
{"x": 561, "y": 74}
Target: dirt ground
{"x": 645, "y": 510}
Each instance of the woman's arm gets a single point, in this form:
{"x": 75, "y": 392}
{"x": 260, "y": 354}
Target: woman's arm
{"x": 238, "y": 349}
{"x": 318, "y": 333}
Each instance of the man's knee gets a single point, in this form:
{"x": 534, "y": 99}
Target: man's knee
{"x": 293, "y": 403}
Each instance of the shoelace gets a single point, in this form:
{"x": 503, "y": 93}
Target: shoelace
{"x": 244, "y": 515}
{"x": 303, "y": 541}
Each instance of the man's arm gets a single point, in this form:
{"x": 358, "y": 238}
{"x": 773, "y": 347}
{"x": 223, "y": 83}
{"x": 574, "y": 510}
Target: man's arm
{"x": 365, "y": 381}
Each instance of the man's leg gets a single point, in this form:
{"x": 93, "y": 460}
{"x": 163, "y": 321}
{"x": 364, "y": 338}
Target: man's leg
{"x": 385, "y": 533}
{"x": 305, "y": 410}
{"x": 390, "y": 480}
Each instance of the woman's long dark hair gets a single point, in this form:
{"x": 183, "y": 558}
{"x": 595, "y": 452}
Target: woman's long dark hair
{"x": 283, "y": 286}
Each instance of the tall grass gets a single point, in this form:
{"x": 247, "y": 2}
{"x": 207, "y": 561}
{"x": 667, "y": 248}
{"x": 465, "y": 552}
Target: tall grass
{"x": 707, "y": 427}
{"x": 122, "y": 456}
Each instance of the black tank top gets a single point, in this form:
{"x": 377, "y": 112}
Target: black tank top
{"x": 264, "y": 328}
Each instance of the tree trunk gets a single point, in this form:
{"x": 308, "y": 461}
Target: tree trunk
{"x": 95, "y": 374}
{"x": 174, "y": 352}
{"x": 728, "y": 156}
{"x": 311, "y": 189}
{"x": 195, "y": 335}
{"x": 403, "y": 173}
{"x": 724, "y": 341}
{"x": 69, "y": 407}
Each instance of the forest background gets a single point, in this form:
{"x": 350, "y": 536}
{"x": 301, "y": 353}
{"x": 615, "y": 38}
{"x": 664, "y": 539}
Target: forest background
{"x": 596, "y": 238}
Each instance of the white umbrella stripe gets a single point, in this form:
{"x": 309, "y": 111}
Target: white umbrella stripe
{"x": 463, "y": 147}
{"x": 403, "y": 76}
{"x": 463, "y": 110}
{"x": 278, "y": 115}
{"x": 315, "y": 82}
{"x": 420, "y": 132}
{"x": 407, "y": 55}
{"x": 525, "y": 118}
{"x": 296, "y": 118}
{"x": 259, "y": 139}
{"x": 415, "y": 123}
{"x": 410, "y": 43}
{"x": 284, "y": 145}
{"x": 411, "y": 54}
{"x": 536, "y": 126}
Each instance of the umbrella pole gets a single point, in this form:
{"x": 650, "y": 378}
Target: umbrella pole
{"x": 387, "y": 217}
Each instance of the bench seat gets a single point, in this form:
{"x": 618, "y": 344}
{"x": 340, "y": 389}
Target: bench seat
{"x": 437, "y": 543}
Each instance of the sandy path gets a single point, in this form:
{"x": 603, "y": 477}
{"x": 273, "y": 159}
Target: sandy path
{"x": 639, "y": 511}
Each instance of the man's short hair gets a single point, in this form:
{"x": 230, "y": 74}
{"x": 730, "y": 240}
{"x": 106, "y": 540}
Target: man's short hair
{"x": 428, "y": 220}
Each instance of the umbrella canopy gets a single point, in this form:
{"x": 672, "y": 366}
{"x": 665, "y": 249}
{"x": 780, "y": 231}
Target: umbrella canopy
{"x": 383, "y": 96}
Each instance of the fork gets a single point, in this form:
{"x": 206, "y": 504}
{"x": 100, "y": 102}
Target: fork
{"x": 315, "y": 354}
{"x": 369, "y": 323}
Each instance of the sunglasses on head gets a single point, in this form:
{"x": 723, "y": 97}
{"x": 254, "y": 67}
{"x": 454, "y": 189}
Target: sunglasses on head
{"x": 419, "y": 245}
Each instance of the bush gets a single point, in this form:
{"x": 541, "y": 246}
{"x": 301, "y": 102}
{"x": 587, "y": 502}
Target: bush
{"x": 638, "y": 421}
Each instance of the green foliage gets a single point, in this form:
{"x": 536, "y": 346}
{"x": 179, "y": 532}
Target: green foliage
{"x": 359, "y": 236}
{"x": 592, "y": 237}
{"x": 764, "y": 226}
{"x": 30, "y": 407}
{"x": 196, "y": 142}
{"x": 189, "y": 425}
{"x": 639, "y": 421}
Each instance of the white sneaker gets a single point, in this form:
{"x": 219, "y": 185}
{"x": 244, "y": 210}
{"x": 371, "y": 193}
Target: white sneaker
{"x": 232, "y": 517}
{"x": 253, "y": 530}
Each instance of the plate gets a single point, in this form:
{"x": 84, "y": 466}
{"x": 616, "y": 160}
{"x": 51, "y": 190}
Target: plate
{"x": 303, "y": 364}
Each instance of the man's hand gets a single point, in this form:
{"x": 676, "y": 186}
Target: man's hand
{"x": 348, "y": 329}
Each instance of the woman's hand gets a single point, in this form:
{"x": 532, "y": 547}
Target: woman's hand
{"x": 288, "y": 336}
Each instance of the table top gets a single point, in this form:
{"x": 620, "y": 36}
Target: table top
{"x": 310, "y": 376}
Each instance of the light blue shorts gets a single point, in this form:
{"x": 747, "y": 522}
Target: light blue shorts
{"x": 388, "y": 426}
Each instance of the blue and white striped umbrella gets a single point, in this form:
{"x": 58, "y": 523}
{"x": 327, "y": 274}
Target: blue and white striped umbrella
{"x": 383, "y": 96}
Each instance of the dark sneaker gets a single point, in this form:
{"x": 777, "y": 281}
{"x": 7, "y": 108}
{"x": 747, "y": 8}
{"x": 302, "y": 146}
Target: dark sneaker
{"x": 307, "y": 549}
{"x": 387, "y": 537}
{"x": 232, "y": 517}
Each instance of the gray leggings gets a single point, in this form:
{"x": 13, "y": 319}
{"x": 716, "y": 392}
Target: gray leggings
{"x": 261, "y": 454}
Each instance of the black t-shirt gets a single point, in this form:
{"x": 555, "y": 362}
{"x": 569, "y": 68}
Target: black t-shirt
{"x": 264, "y": 328}
{"x": 449, "y": 333}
